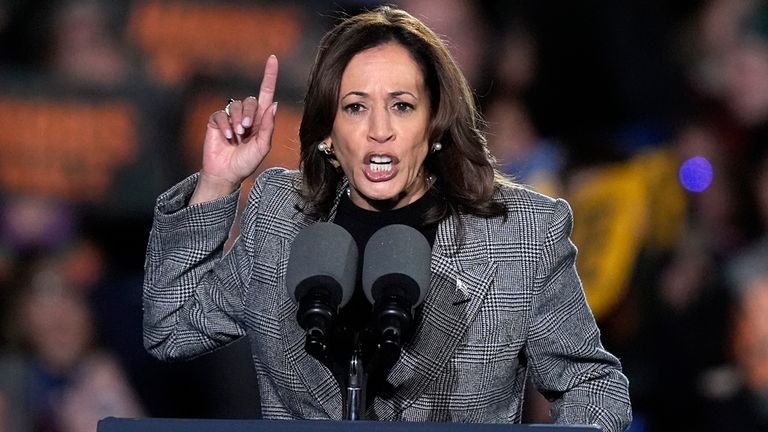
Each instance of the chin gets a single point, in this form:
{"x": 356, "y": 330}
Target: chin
{"x": 381, "y": 198}
{"x": 381, "y": 193}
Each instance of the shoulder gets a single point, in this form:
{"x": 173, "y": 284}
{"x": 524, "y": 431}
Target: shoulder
{"x": 280, "y": 178}
{"x": 275, "y": 202}
{"x": 529, "y": 216}
{"x": 280, "y": 183}
{"x": 521, "y": 199}
{"x": 524, "y": 205}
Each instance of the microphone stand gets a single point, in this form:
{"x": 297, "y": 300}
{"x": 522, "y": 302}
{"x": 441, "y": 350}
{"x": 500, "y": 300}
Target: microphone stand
{"x": 357, "y": 378}
{"x": 382, "y": 352}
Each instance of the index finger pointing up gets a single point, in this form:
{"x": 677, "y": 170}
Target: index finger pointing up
{"x": 268, "y": 84}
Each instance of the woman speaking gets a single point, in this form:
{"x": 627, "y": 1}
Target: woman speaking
{"x": 390, "y": 135}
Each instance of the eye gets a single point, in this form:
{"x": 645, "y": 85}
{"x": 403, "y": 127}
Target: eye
{"x": 403, "y": 106}
{"x": 354, "y": 108}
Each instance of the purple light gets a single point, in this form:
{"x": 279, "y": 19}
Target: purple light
{"x": 696, "y": 174}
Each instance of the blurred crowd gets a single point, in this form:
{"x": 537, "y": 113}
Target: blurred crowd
{"x": 649, "y": 116}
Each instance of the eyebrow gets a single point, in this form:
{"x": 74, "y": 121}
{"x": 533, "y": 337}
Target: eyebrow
{"x": 394, "y": 93}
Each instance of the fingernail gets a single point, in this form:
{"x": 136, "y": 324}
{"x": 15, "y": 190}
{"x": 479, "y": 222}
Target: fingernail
{"x": 247, "y": 121}
{"x": 228, "y": 134}
{"x": 239, "y": 129}
{"x": 274, "y": 109}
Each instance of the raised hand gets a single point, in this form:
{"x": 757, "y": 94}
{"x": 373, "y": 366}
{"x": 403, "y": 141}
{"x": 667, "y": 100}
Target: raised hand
{"x": 237, "y": 139}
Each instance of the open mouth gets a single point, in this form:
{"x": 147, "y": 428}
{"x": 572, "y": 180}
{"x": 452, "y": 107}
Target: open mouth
{"x": 380, "y": 167}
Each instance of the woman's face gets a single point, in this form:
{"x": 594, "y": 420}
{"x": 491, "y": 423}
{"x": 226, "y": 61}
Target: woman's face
{"x": 380, "y": 131}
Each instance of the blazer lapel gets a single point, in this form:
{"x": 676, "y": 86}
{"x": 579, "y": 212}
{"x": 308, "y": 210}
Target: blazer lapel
{"x": 458, "y": 289}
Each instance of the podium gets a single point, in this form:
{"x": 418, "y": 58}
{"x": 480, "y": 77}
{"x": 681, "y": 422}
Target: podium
{"x": 112, "y": 424}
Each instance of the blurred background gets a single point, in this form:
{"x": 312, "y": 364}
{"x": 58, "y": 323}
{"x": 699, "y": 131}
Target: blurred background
{"x": 649, "y": 116}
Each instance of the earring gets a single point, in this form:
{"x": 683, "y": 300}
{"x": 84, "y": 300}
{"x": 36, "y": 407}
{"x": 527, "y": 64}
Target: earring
{"x": 325, "y": 148}
{"x": 436, "y": 147}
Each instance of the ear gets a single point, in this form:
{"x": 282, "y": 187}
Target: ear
{"x": 326, "y": 146}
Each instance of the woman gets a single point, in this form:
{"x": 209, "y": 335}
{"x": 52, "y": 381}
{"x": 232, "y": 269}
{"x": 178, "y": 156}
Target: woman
{"x": 390, "y": 134}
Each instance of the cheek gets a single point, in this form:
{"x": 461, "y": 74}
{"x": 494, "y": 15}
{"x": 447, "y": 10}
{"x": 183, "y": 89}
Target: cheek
{"x": 419, "y": 154}
{"x": 345, "y": 155}
{"x": 343, "y": 148}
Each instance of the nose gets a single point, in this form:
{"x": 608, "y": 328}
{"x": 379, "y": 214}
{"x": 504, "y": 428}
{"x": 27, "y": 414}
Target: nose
{"x": 380, "y": 126}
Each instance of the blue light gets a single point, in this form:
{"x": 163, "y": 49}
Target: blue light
{"x": 696, "y": 174}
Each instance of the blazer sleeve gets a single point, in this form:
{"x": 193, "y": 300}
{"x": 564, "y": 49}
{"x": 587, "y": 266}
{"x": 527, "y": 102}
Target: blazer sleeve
{"x": 193, "y": 295}
{"x": 567, "y": 360}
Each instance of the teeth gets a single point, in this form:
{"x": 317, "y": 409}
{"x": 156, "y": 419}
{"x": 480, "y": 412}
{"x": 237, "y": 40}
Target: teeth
{"x": 381, "y": 163}
{"x": 381, "y": 159}
{"x": 379, "y": 167}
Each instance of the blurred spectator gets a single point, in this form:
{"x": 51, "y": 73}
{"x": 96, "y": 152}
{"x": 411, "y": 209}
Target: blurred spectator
{"x": 740, "y": 402}
{"x": 746, "y": 75}
{"x": 516, "y": 65}
{"x": 28, "y": 224}
{"x": 513, "y": 136}
{"x": 31, "y": 222}
{"x": 519, "y": 150}
{"x": 463, "y": 25}
{"x": 745, "y": 80}
{"x": 57, "y": 379}
{"x": 716, "y": 31}
{"x": 85, "y": 47}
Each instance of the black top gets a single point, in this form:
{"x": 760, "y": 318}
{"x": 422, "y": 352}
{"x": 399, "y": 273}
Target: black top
{"x": 354, "y": 320}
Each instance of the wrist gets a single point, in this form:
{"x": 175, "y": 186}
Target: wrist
{"x": 209, "y": 188}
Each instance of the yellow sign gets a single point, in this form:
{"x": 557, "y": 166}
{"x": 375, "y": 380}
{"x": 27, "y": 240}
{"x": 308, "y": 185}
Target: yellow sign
{"x": 619, "y": 210}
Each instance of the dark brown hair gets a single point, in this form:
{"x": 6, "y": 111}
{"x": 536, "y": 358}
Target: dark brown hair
{"x": 465, "y": 170}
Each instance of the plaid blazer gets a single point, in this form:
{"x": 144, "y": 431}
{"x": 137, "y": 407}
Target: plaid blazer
{"x": 504, "y": 302}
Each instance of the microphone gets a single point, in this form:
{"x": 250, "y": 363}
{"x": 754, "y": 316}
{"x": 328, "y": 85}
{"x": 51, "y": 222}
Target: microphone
{"x": 395, "y": 279}
{"x": 320, "y": 277}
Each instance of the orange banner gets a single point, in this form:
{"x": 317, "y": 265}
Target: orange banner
{"x": 181, "y": 38}
{"x": 64, "y": 148}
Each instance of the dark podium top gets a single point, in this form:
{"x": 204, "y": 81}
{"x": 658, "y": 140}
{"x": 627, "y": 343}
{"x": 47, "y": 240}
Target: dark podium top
{"x": 112, "y": 424}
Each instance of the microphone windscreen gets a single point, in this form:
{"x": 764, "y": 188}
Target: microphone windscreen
{"x": 323, "y": 255}
{"x": 397, "y": 255}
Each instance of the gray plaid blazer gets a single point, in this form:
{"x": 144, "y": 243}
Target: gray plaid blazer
{"x": 504, "y": 302}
